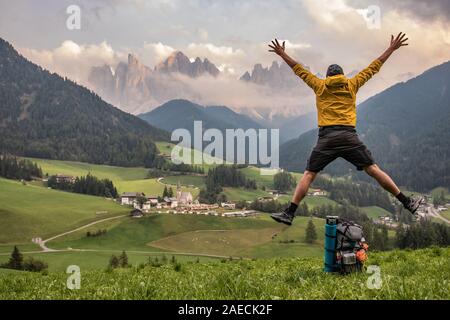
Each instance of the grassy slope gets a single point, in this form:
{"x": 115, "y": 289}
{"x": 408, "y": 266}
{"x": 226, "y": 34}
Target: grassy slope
{"x": 258, "y": 237}
{"x": 185, "y": 180}
{"x": 59, "y": 261}
{"x": 223, "y": 242}
{"x": 165, "y": 148}
{"x": 445, "y": 214}
{"x": 136, "y": 234}
{"x": 290, "y": 242}
{"x": 29, "y": 211}
{"x": 436, "y": 192}
{"x": 375, "y": 212}
{"x": 125, "y": 179}
{"x": 421, "y": 274}
{"x": 263, "y": 180}
{"x": 236, "y": 194}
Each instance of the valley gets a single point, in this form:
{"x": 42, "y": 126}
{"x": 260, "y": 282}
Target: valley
{"x": 31, "y": 210}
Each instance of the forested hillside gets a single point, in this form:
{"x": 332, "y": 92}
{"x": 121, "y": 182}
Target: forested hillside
{"x": 46, "y": 116}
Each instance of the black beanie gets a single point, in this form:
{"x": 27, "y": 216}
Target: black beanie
{"x": 333, "y": 70}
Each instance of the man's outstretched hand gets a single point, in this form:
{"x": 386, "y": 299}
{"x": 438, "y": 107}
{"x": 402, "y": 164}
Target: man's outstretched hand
{"x": 398, "y": 42}
{"x": 277, "y": 48}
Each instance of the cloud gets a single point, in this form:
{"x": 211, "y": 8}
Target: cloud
{"x": 213, "y": 51}
{"x": 202, "y": 34}
{"x": 73, "y": 60}
{"x": 425, "y": 10}
{"x": 226, "y": 90}
{"x": 296, "y": 46}
{"x": 342, "y": 36}
{"x": 159, "y": 51}
{"x": 229, "y": 34}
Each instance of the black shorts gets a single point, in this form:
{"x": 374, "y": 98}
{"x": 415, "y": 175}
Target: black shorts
{"x": 335, "y": 142}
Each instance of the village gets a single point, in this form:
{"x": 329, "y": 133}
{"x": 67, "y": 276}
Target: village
{"x": 181, "y": 203}
{"x": 184, "y": 203}
{"x": 426, "y": 211}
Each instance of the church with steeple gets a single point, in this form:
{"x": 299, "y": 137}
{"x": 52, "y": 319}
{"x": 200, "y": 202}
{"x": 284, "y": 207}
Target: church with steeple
{"x": 183, "y": 198}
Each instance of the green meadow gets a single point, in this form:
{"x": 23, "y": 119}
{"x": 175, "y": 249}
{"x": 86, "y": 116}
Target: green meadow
{"x": 29, "y": 211}
{"x": 375, "y": 212}
{"x": 125, "y": 179}
{"x": 404, "y": 275}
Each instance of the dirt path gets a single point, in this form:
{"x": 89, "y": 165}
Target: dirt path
{"x": 435, "y": 213}
{"x": 43, "y": 243}
{"x": 45, "y": 249}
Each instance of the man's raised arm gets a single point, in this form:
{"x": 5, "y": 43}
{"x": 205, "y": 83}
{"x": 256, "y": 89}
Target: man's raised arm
{"x": 365, "y": 75}
{"x": 396, "y": 43}
{"x": 311, "y": 80}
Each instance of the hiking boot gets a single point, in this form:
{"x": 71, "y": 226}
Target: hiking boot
{"x": 284, "y": 217}
{"x": 413, "y": 204}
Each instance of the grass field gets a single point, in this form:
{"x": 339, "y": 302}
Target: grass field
{"x": 445, "y": 214}
{"x": 165, "y": 148}
{"x": 375, "y": 212}
{"x": 29, "y": 211}
{"x": 23, "y": 247}
{"x": 125, "y": 179}
{"x": 436, "y": 192}
{"x": 225, "y": 242}
{"x": 136, "y": 234}
{"x": 254, "y": 237}
{"x": 264, "y": 180}
{"x": 405, "y": 275}
{"x": 98, "y": 260}
{"x": 311, "y": 201}
{"x": 81, "y": 168}
{"x": 246, "y": 237}
{"x": 237, "y": 194}
{"x": 185, "y": 180}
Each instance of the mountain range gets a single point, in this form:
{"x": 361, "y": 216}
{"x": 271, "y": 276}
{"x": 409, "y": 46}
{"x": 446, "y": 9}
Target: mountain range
{"x": 137, "y": 88}
{"x": 47, "y": 116}
{"x": 276, "y": 76}
{"x": 406, "y": 127}
{"x": 134, "y": 87}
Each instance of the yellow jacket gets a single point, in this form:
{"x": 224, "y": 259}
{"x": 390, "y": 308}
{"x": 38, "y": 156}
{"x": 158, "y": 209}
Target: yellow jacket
{"x": 336, "y": 95}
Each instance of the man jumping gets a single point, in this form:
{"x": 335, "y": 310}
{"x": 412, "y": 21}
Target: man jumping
{"x": 336, "y": 109}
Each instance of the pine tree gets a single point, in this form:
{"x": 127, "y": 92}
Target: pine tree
{"x": 311, "y": 234}
{"x": 114, "y": 262}
{"x": 165, "y": 192}
{"x": 16, "y": 259}
{"x": 123, "y": 260}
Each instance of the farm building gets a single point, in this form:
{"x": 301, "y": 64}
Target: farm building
{"x": 152, "y": 202}
{"x": 64, "y": 178}
{"x": 228, "y": 205}
{"x": 130, "y": 198}
{"x": 170, "y": 202}
{"x": 244, "y": 213}
{"x": 136, "y": 213}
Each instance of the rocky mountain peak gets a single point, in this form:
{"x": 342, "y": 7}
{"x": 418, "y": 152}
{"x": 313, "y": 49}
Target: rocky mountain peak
{"x": 277, "y": 76}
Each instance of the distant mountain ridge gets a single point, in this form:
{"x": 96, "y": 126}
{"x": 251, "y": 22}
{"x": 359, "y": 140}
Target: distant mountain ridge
{"x": 275, "y": 76}
{"x": 46, "y": 116}
{"x": 179, "y": 62}
{"x": 407, "y": 128}
{"x": 133, "y": 86}
{"x": 181, "y": 113}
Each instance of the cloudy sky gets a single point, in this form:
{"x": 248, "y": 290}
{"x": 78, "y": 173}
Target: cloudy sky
{"x": 233, "y": 34}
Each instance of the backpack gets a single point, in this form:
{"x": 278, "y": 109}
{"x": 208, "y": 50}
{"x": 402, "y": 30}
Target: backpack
{"x": 351, "y": 247}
